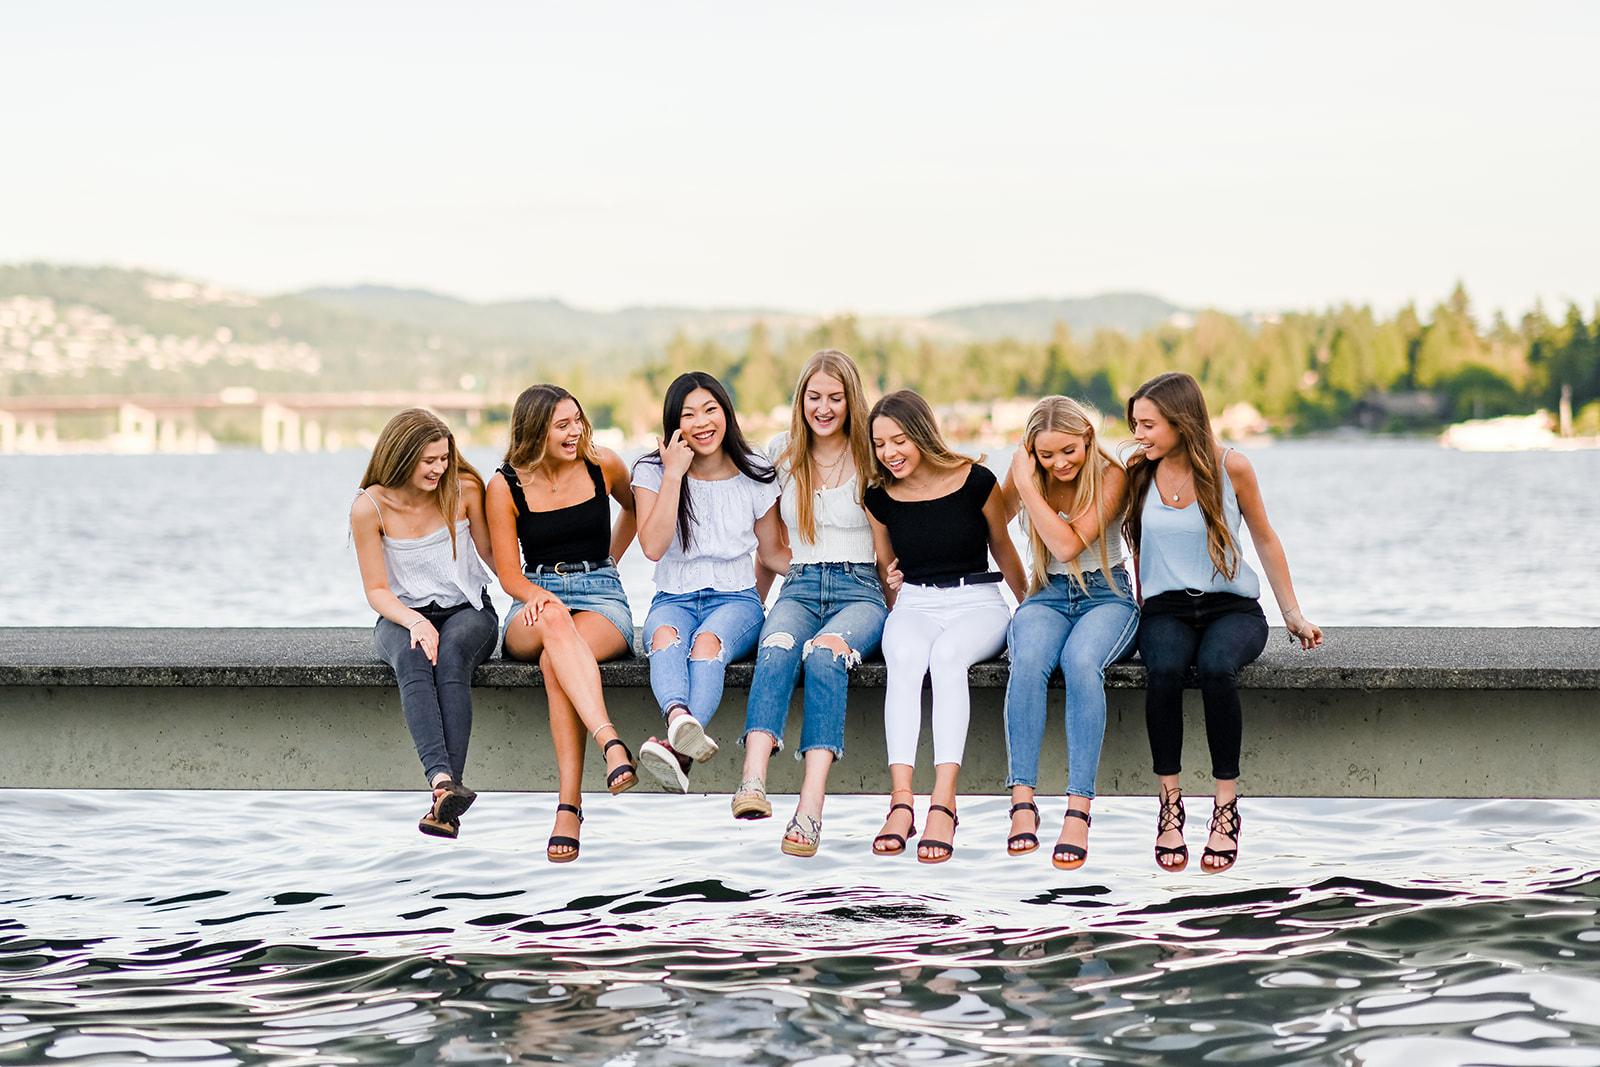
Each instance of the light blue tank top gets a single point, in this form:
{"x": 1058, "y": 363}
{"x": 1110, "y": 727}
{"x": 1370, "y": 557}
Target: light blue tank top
{"x": 1172, "y": 547}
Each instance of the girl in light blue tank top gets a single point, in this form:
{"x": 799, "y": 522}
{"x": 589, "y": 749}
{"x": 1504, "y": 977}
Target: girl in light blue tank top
{"x": 1199, "y": 598}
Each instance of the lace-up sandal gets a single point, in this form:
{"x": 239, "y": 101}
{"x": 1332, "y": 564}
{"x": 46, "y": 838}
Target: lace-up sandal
{"x": 1171, "y": 817}
{"x": 1024, "y": 843}
{"x": 560, "y": 841}
{"x": 897, "y": 840}
{"x": 1226, "y": 822}
{"x": 750, "y": 801}
{"x": 946, "y": 849}
{"x": 803, "y": 835}
{"x": 626, "y": 775}
{"x": 1067, "y": 857}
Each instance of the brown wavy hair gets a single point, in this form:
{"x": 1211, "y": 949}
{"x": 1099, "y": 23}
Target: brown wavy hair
{"x": 531, "y": 417}
{"x": 399, "y": 450}
{"x": 1179, "y": 400}
{"x": 1061, "y": 414}
{"x": 796, "y": 456}
{"x": 916, "y": 418}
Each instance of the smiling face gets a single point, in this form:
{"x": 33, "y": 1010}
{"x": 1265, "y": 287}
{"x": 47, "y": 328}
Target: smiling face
{"x": 566, "y": 431}
{"x": 431, "y": 467}
{"x": 703, "y": 422}
{"x": 1062, "y": 455}
{"x": 893, "y": 448}
{"x": 823, "y": 404}
{"x": 1156, "y": 436}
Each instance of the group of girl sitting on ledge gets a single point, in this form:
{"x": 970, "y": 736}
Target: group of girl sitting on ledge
{"x": 883, "y": 536}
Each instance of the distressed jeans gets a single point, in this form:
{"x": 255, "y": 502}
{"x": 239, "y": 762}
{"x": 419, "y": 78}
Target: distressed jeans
{"x": 676, "y": 678}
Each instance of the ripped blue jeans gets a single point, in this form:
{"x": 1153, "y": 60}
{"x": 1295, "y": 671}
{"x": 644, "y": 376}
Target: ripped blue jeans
{"x": 676, "y": 677}
{"x": 842, "y": 599}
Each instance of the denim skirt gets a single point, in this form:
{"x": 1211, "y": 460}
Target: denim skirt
{"x": 599, "y": 591}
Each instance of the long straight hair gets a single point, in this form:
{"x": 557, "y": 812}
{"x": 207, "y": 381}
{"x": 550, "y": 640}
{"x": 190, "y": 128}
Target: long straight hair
{"x": 399, "y": 450}
{"x": 1178, "y": 398}
{"x": 1061, "y": 414}
{"x": 535, "y": 410}
{"x": 916, "y": 419}
{"x": 796, "y": 457}
{"x": 734, "y": 446}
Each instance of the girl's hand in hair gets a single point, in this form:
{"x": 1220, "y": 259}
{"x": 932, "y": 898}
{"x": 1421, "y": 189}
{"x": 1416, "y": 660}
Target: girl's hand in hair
{"x": 676, "y": 455}
{"x": 1022, "y": 466}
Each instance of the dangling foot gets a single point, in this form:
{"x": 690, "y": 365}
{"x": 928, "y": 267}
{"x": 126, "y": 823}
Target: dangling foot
{"x": 450, "y": 800}
{"x": 661, "y": 762}
{"x": 1225, "y": 824}
{"x": 1022, "y": 842}
{"x": 891, "y": 841}
{"x": 1174, "y": 855}
{"x": 621, "y": 774}
{"x": 750, "y": 800}
{"x": 563, "y": 848}
{"x": 931, "y": 850}
{"x": 803, "y": 834}
{"x": 1070, "y": 855}
{"x": 688, "y": 738}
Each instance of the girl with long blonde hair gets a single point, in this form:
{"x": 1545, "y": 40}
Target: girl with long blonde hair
{"x": 550, "y": 522}
{"x": 937, "y": 517}
{"x": 830, "y": 611}
{"x": 1200, "y": 599}
{"x": 419, "y": 531}
{"x": 1079, "y": 615}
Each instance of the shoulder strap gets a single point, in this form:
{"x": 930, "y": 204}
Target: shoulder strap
{"x": 510, "y": 475}
{"x": 374, "y": 500}
{"x": 598, "y": 476}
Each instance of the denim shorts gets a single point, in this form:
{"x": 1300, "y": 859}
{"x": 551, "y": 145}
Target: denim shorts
{"x": 599, "y": 591}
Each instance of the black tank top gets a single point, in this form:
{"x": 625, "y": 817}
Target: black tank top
{"x": 942, "y": 539}
{"x": 573, "y": 534}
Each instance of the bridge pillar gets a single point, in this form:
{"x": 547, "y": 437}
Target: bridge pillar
{"x": 27, "y": 434}
{"x": 280, "y": 429}
{"x": 177, "y": 432}
{"x": 136, "y": 429}
{"x": 311, "y": 435}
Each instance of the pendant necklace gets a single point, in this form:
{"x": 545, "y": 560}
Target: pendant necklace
{"x": 1179, "y": 491}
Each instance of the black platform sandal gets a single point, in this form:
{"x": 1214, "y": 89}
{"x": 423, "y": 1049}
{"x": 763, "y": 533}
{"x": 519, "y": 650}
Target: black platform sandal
{"x": 1172, "y": 817}
{"x": 628, "y": 773}
{"x": 1070, "y": 857}
{"x": 898, "y": 839}
{"x": 1029, "y": 841}
{"x": 947, "y": 848}
{"x": 567, "y": 842}
{"x": 1225, "y": 820}
{"x": 444, "y": 818}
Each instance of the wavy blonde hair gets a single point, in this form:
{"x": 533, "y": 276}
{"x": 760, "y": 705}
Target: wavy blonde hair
{"x": 913, "y": 415}
{"x": 1062, "y": 414}
{"x": 796, "y": 457}
{"x": 399, "y": 450}
{"x": 1178, "y": 398}
{"x": 530, "y": 426}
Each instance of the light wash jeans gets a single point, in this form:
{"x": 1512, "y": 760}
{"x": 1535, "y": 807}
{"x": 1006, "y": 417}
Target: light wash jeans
{"x": 675, "y": 678}
{"x": 1083, "y": 630}
{"x": 843, "y": 599}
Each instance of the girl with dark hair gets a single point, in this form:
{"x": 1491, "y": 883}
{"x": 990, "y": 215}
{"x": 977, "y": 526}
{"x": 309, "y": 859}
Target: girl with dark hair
{"x": 706, "y": 502}
{"x": 831, "y": 609}
{"x": 936, "y": 518}
{"x": 550, "y": 506}
{"x": 419, "y": 530}
{"x": 1186, "y": 497}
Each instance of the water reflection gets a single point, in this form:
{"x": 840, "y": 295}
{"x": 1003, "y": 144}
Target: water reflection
{"x": 283, "y": 929}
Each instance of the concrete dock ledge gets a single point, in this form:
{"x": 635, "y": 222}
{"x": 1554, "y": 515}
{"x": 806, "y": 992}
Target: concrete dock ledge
{"x": 1383, "y": 711}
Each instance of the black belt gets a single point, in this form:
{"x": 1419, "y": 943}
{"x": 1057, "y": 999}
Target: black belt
{"x": 985, "y": 578}
{"x": 581, "y": 567}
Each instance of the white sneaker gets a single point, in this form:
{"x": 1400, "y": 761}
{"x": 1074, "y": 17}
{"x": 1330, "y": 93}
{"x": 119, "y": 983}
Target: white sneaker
{"x": 661, "y": 763}
{"x": 687, "y": 736}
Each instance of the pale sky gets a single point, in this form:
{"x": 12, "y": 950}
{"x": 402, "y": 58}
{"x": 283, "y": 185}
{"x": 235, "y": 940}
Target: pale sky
{"x": 877, "y": 157}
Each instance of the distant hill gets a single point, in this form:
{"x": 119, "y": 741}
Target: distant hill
{"x": 1035, "y": 320}
{"x": 640, "y": 329}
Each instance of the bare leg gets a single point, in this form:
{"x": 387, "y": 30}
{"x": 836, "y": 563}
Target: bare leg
{"x": 568, "y": 735}
{"x": 900, "y": 821}
{"x": 1025, "y": 821}
{"x": 940, "y": 827}
{"x": 758, "y": 749}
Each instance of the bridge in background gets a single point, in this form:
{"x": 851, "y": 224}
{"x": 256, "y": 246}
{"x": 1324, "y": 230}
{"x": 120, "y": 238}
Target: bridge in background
{"x": 290, "y": 422}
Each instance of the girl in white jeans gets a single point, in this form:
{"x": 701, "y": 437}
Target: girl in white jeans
{"x": 937, "y": 516}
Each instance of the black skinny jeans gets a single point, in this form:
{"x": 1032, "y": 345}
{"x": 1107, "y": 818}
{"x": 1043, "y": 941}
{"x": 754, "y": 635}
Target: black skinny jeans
{"x": 437, "y": 700}
{"x": 1216, "y": 633}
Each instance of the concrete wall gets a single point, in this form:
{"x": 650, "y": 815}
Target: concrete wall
{"x": 1375, "y": 713}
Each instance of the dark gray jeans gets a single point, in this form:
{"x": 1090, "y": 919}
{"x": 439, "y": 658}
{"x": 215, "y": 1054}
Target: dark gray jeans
{"x": 437, "y": 698}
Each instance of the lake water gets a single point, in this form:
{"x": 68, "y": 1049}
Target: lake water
{"x": 301, "y": 929}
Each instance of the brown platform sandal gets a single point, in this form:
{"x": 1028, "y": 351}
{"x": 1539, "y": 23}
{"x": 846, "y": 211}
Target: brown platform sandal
{"x": 948, "y": 847}
{"x": 898, "y": 839}
{"x": 568, "y": 842}
{"x": 1067, "y": 857}
{"x": 451, "y": 799}
{"x": 1029, "y": 841}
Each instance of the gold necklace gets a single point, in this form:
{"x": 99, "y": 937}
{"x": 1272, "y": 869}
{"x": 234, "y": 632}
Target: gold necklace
{"x": 829, "y": 470}
{"x": 1179, "y": 491}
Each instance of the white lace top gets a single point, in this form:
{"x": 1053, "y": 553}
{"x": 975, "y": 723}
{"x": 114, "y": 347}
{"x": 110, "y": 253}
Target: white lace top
{"x": 843, "y": 535}
{"x": 721, "y": 549}
{"x": 422, "y": 571}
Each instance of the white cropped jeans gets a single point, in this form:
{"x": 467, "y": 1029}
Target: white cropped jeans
{"x": 940, "y": 632}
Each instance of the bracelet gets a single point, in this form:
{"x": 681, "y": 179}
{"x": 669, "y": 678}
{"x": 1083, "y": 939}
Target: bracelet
{"x": 419, "y": 622}
{"x": 1292, "y": 611}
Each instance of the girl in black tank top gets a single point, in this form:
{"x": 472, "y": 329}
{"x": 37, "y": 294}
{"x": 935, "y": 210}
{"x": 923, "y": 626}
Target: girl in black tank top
{"x": 572, "y": 612}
